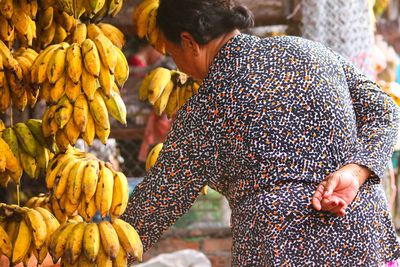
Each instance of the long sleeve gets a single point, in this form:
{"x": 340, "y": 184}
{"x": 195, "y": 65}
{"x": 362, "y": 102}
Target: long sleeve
{"x": 173, "y": 183}
{"x": 377, "y": 121}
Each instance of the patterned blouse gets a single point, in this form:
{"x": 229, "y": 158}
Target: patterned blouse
{"x": 273, "y": 117}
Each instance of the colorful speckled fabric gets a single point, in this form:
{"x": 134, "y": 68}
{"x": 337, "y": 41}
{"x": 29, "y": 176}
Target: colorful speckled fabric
{"x": 275, "y": 116}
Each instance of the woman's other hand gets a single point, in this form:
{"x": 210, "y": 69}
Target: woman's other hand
{"x": 339, "y": 189}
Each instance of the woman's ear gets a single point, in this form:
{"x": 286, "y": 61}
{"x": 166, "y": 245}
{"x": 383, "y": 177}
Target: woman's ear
{"x": 188, "y": 42}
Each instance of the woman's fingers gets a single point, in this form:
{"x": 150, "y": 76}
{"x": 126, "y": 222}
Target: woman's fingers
{"x": 332, "y": 181}
{"x": 317, "y": 197}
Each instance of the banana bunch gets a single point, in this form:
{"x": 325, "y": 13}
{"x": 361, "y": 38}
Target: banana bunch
{"x": 167, "y": 90}
{"x": 88, "y": 244}
{"x": 15, "y": 84}
{"x": 25, "y": 232}
{"x": 80, "y": 84}
{"x": 53, "y": 24}
{"x": 24, "y": 148}
{"x": 144, "y": 24}
{"x": 91, "y": 31}
{"x": 17, "y": 18}
{"x": 93, "y": 10}
{"x": 81, "y": 182}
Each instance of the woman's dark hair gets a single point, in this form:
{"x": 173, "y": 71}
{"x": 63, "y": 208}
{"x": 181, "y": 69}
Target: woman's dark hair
{"x": 203, "y": 19}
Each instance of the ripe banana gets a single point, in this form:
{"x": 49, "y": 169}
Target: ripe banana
{"x": 80, "y": 113}
{"x": 89, "y": 84}
{"x": 157, "y": 84}
{"x": 5, "y": 243}
{"x": 26, "y": 138}
{"x": 93, "y": 31}
{"x": 48, "y": 117}
{"x": 59, "y": 240}
{"x": 63, "y": 112}
{"x": 129, "y": 239}
{"x": 80, "y": 34}
{"x": 106, "y": 51}
{"x": 103, "y": 260}
{"x": 71, "y": 131}
{"x": 72, "y": 90}
{"x": 98, "y": 109}
{"x": 121, "y": 72}
{"x": 56, "y": 65}
{"x": 37, "y": 225}
{"x": 90, "y": 131}
{"x": 58, "y": 89}
{"x": 87, "y": 209}
{"x": 143, "y": 20}
{"x": 91, "y": 57}
{"x": 21, "y": 242}
{"x": 74, "y": 62}
{"x": 60, "y": 183}
{"x": 153, "y": 155}
{"x": 74, "y": 182}
{"x": 106, "y": 79}
{"x": 162, "y": 101}
{"x": 91, "y": 242}
{"x": 113, "y": 33}
{"x": 122, "y": 258}
{"x": 115, "y": 106}
{"x": 109, "y": 239}
{"x": 138, "y": 11}
{"x": 74, "y": 243}
{"x": 103, "y": 195}
{"x": 120, "y": 194}
{"x": 29, "y": 164}
{"x": 90, "y": 179}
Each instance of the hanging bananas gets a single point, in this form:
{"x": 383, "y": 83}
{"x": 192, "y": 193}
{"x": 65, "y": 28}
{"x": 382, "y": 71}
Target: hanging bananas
{"x": 144, "y": 24}
{"x": 91, "y": 9}
{"x": 167, "y": 90}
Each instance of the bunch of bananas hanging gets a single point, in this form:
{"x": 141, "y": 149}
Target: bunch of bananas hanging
{"x": 167, "y": 90}
{"x": 25, "y": 232}
{"x": 80, "y": 182}
{"x": 144, "y": 24}
{"x": 93, "y": 10}
{"x": 15, "y": 83}
{"x": 80, "y": 84}
{"x": 24, "y": 148}
{"x": 152, "y": 158}
{"x": 17, "y": 19}
{"x": 91, "y": 31}
{"x": 53, "y": 24}
{"x": 86, "y": 244}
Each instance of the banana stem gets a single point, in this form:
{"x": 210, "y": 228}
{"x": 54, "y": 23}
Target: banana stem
{"x": 85, "y": 146}
{"x": 18, "y": 194}
{"x": 11, "y": 117}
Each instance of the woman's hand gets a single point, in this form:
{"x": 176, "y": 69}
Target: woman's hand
{"x": 339, "y": 189}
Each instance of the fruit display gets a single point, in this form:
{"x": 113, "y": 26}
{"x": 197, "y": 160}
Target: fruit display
{"x": 167, "y": 90}
{"x": 92, "y": 10}
{"x": 79, "y": 182}
{"x": 144, "y": 24}
{"x": 24, "y": 148}
{"x": 17, "y": 19}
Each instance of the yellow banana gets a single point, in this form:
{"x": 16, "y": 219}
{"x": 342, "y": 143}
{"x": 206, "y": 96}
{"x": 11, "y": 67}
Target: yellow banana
{"x": 57, "y": 211}
{"x": 91, "y": 58}
{"x": 84, "y": 262}
{"x": 103, "y": 260}
{"x": 90, "y": 178}
{"x": 93, "y": 31}
{"x": 63, "y": 111}
{"x": 144, "y": 86}
{"x": 91, "y": 242}
{"x": 37, "y": 225}
{"x": 5, "y": 98}
{"x": 8, "y": 59}
{"x": 113, "y": 33}
{"x": 46, "y": 18}
{"x": 74, "y": 62}
{"x": 115, "y": 106}
{"x": 51, "y": 222}
{"x": 122, "y": 258}
{"x": 151, "y": 24}
{"x": 138, "y": 11}
{"x": 143, "y": 20}
{"x": 87, "y": 209}
{"x": 59, "y": 240}
{"x": 66, "y": 21}
{"x": 39, "y": 67}
{"x": 80, "y": 113}
{"x": 96, "y": 5}
{"x": 108, "y": 55}
{"x": 90, "y": 131}
{"x": 72, "y": 90}
{"x": 121, "y": 72}
{"x": 6, "y": 29}
{"x": 98, "y": 109}
{"x": 7, "y": 8}
{"x": 67, "y": 6}
{"x": 103, "y": 195}
{"x": 74, "y": 182}
{"x": 5, "y": 243}
{"x": 162, "y": 101}
{"x": 60, "y": 184}
{"x": 120, "y": 194}
{"x": 48, "y": 116}
{"x": 80, "y": 34}
{"x": 89, "y": 84}
{"x": 56, "y": 66}
{"x": 55, "y": 165}
{"x": 74, "y": 243}
{"x": 20, "y": 21}
{"x": 106, "y": 79}
{"x": 22, "y": 243}
{"x": 109, "y": 239}
{"x": 129, "y": 239}
{"x": 157, "y": 84}
{"x": 102, "y": 133}
{"x": 71, "y": 131}
{"x": 46, "y": 37}
{"x": 60, "y": 34}
{"x": 153, "y": 155}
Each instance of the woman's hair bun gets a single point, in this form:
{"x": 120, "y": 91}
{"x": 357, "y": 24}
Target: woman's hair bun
{"x": 241, "y": 17}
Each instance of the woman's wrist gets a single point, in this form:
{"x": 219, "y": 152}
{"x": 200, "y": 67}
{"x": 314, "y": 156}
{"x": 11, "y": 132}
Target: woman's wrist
{"x": 360, "y": 172}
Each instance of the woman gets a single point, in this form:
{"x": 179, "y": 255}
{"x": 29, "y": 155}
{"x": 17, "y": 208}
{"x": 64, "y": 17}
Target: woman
{"x": 288, "y": 131}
